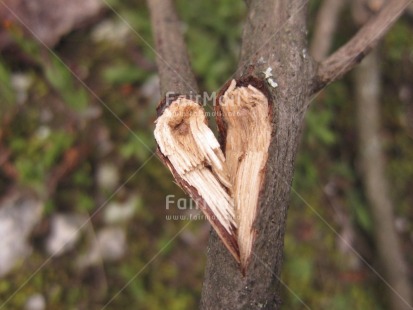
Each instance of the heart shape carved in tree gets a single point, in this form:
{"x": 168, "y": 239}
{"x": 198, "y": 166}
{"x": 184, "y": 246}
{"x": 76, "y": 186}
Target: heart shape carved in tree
{"x": 224, "y": 180}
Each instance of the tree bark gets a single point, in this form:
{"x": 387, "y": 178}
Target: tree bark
{"x": 172, "y": 59}
{"x": 274, "y": 36}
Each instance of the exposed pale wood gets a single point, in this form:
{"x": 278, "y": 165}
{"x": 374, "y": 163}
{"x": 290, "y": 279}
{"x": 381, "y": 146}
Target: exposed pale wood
{"x": 195, "y": 158}
{"x": 246, "y": 114}
{"x": 228, "y": 186}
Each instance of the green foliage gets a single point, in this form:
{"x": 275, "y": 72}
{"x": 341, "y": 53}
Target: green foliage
{"x": 361, "y": 211}
{"x": 319, "y": 127}
{"x": 64, "y": 82}
{"x": 57, "y": 73}
{"x": 213, "y": 38}
{"x": 29, "y": 46}
{"x": 137, "y": 146}
{"x": 306, "y": 174}
{"x": 398, "y": 42}
{"x": 400, "y": 171}
{"x": 81, "y": 178}
{"x": 36, "y": 155}
{"x": 84, "y": 203}
{"x": 7, "y": 94}
{"x": 123, "y": 73}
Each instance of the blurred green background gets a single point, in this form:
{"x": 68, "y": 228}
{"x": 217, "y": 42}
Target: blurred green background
{"x": 77, "y": 133}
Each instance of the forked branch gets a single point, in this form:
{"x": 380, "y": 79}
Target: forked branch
{"x": 349, "y": 55}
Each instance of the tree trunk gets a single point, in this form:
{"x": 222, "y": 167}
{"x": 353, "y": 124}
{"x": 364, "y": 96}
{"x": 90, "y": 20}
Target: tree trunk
{"x": 274, "y": 36}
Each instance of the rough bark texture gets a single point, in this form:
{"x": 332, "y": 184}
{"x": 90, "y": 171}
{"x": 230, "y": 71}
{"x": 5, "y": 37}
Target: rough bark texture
{"x": 349, "y": 55}
{"x": 367, "y": 81}
{"x": 274, "y": 36}
{"x": 172, "y": 57}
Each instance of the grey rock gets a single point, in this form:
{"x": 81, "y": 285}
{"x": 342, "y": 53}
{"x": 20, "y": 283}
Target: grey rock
{"x": 19, "y": 213}
{"x": 108, "y": 176}
{"x": 65, "y": 232}
{"x": 35, "y": 302}
{"x": 114, "y": 32}
{"x": 109, "y": 245}
{"x": 119, "y": 212}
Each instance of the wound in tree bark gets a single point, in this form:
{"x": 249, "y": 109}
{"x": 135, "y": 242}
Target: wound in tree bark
{"x": 192, "y": 153}
{"x": 244, "y": 113}
{"x": 226, "y": 188}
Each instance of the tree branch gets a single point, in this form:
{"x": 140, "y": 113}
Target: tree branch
{"x": 349, "y": 55}
{"x": 172, "y": 57}
{"x": 325, "y": 28}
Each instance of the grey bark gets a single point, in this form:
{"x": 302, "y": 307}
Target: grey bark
{"x": 172, "y": 59}
{"x": 274, "y": 36}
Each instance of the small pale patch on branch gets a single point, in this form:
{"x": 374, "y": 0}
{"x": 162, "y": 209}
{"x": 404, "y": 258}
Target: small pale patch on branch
{"x": 192, "y": 153}
{"x": 245, "y": 111}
